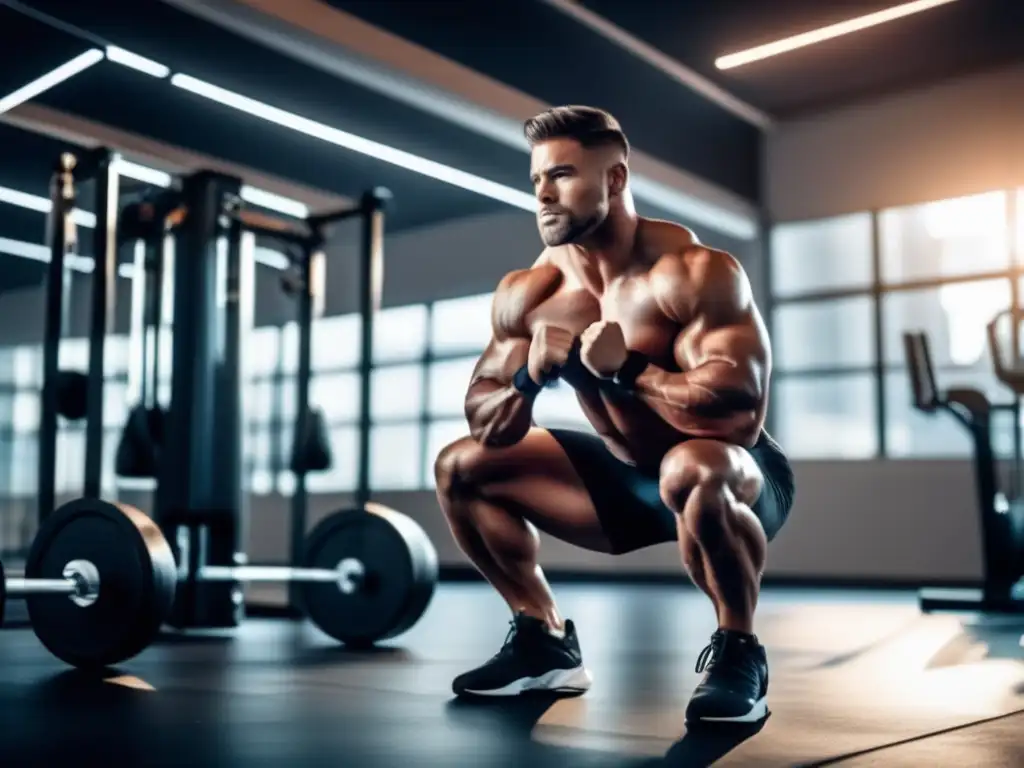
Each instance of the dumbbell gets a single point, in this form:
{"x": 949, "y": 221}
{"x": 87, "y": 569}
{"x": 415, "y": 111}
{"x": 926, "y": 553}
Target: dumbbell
{"x": 368, "y": 575}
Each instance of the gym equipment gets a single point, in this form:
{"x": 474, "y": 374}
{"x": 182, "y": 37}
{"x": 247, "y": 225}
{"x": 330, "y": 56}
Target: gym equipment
{"x": 366, "y": 576}
{"x": 100, "y": 165}
{"x": 138, "y": 450}
{"x": 390, "y": 567}
{"x": 1001, "y": 514}
{"x": 311, "y": 447}
{"x": 115, "y": 567}
{"x": 72, "y": 394}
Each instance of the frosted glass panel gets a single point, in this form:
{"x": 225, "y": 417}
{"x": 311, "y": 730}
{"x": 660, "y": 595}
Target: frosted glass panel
{"x": 824, "y": 334}
{"x": 947, "y": 238}
{"x": 461, "y": 325}
{"x": 823, "y": 255}
{"x": 826, "y": 417}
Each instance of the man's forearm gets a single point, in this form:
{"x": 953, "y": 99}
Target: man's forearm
{"x": 702, "y": 401}
{"x": 499, "y": 415}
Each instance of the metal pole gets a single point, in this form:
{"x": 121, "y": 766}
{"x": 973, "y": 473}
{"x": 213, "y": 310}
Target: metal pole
{"x": 305, "y": 322}
{"x": 371, "y": 281}
{"x": 104, "y": 285}
{"x": 61, "y": 237}
{"x": 877, "y": 292}
{"x": 310, "y": 304}
{"x": 1016, "y": 315}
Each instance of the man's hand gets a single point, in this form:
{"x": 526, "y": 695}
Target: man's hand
{"x": 603, "y": 349}
{"x": 549, "y": 350}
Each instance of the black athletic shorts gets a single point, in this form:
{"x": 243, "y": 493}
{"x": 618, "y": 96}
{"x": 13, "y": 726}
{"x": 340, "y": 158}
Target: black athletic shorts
{"x": 628, "y": 501}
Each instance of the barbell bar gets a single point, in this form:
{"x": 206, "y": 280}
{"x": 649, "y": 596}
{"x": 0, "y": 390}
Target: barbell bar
{"x": 349, "y": 575}
{"x": 81, "y": 580}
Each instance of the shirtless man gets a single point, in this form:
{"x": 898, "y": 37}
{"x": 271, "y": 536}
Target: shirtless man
{"x": 670, "y": 360}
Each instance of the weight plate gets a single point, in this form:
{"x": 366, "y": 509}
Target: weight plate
{"x": 400, "y": 574}
{"x": 137, "y": 582}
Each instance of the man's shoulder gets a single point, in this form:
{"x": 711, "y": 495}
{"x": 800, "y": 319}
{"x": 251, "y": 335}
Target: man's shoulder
{"x": 696, "y": 263}
{"x": 529, "y": 280}
{"x": 691, "y": 274}
{"x": 521, "y": 291}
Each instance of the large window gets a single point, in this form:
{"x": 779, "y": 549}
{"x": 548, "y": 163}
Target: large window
{"x": 823, "y": 334}
{"x": 845, "y": 290}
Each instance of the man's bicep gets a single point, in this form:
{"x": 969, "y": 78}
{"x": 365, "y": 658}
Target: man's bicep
{"x": 722, "y": 319}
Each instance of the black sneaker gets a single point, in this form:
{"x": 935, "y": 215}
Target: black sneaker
{"x": 735, "y": 688}
{"x": 531, "y": 659}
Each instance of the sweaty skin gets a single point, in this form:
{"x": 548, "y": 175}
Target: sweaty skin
{"x": 687, "y": 307}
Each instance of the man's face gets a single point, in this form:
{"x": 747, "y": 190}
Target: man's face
{"x": 572, "y": 187}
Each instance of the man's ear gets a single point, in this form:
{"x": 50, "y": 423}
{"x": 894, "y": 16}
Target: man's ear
{"x": 618, "y": 179}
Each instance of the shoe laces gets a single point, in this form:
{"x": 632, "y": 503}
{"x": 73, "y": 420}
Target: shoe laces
{"x": 513, "y": 639}
{"x": 729, "y": 656}
{"x": 712, "y": 652}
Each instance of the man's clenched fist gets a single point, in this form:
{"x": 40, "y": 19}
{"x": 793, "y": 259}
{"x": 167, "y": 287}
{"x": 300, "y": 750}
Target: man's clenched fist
{"x": 548, "y": 350}
{"x": 603, "y": 348}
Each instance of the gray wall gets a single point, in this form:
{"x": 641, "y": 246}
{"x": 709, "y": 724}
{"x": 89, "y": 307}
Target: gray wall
{"x": 955, "y": 138}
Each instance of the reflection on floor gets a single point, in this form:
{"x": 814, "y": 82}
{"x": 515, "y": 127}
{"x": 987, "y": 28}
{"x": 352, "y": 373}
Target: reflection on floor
{"x": 862, "y": 675}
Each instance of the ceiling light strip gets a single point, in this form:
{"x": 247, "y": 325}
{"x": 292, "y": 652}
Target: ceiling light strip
{"x": 51, "y": 79}
{"x": 804, "y": 39}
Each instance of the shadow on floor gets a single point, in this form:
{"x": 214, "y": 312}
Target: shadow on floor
{"x": 516, "y": 719}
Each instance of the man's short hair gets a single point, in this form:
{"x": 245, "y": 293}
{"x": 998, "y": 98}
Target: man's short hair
{"x": 590, "y": 126}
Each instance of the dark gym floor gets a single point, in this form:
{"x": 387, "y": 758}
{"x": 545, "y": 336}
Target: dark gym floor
{"x": 858, "y": 678}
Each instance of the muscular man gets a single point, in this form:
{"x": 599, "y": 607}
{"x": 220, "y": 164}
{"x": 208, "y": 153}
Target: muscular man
{"x": 670, "y": 360}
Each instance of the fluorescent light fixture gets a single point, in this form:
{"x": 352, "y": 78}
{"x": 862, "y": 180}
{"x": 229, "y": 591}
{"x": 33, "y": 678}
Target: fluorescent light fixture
{"x": 53, "y": 78}
{"x": 32, "y": 251}
{"x": 825, "y": 33}
{"x": 273, "y": 202}
{"x": 42, "y": 204}
{"x": 374, "y": 149}
{"x": 136, "y": 62}
{"x": 37, "y": 252}
{"x": 144, "y": 174}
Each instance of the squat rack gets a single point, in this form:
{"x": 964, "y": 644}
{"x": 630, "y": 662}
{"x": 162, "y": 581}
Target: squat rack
{"x": 215, "y": 208}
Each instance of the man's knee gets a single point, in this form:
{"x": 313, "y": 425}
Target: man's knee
{"x": 700, "y": 480}
{"x": 455, "y": 467}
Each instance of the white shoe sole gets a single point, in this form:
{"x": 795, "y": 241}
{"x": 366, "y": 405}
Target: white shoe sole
{"x": 758, "y": 713}
{"x": 575, "y": 680}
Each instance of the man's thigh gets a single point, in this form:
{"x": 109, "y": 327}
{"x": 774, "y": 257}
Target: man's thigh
{"x": 534, "y": 479}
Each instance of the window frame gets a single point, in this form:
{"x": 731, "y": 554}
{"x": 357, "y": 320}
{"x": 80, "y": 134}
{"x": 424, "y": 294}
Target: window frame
{"x": 878, "y": 290}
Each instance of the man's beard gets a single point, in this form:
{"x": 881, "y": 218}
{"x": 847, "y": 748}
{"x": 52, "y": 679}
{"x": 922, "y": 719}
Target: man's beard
{"x": 565, "y": 229}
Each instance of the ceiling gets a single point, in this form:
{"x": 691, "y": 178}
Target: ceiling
{"x": 530, "y": 45}
{"x": 945, "y": 41}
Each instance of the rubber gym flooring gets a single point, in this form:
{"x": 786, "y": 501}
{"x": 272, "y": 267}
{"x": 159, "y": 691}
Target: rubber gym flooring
{"x": 858, "y": 679}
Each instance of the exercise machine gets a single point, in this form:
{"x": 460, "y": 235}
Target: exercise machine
{"x": 1000, "y": 505}
{"x": 102, "y": 578}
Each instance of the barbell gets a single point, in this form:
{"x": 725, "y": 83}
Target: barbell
{"x": 368, "y": 575}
